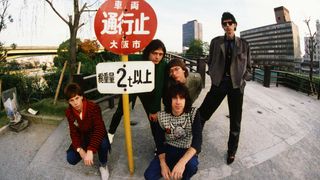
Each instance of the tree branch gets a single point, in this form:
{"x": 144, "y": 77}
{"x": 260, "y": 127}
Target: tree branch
{"x": 54, "y": 9}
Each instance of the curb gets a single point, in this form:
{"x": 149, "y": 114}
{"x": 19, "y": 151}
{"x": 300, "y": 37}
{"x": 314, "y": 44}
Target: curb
{"x": 4, "y": 129}
{"x": 52, "y": 120}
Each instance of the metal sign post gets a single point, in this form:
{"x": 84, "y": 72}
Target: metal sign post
{"x": 125, "y": 27}
{"x": 126, "y": 122}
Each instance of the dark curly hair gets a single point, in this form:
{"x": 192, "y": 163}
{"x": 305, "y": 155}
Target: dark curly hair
{"x": 152, "y": 46}
{"x": 178, "y": 90}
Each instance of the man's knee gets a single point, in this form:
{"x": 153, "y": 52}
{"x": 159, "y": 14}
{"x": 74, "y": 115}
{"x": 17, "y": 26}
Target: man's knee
{"x": 73, "y": 157}
{"x": 150, "y": 175}
{"x": 72, "y": 160}
{"x": 192, "y": 165}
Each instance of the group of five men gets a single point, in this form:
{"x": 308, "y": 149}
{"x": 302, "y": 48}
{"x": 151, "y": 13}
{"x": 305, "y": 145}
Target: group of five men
{"x": 177, "y": 131}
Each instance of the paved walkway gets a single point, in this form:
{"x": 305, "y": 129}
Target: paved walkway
{"x": 279, "y": 140}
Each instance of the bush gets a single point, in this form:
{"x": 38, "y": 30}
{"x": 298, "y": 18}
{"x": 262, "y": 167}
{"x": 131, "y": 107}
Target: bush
{"x": 89, "y": 47}
{"x": 33, "y": 89}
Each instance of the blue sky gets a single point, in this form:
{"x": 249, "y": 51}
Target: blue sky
{"x": 36, "y": 24}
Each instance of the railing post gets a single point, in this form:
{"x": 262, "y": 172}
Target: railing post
{"x": 78, "y": 78}
{"x": 318, "y": 89}
{"x": 201, "y": 69}
{"x": 277, "y": 79}
{"x": 253, "y": 72}
{"x": 266, "y": 76}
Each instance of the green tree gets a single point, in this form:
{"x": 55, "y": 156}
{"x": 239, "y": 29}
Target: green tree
{"x": 197, "y": 48}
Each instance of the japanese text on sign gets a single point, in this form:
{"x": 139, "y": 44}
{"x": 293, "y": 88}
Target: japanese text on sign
{"x": 125, "y": 77}
{"x": 125, "y": 26}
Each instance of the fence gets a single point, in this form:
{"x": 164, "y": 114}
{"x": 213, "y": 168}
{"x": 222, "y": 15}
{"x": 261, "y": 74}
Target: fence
{"x": 89, "y": 85}
{"x": 194, "y": 65}
{"x": 269, "y": 77}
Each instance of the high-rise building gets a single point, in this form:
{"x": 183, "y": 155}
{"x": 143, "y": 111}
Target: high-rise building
{"x": 282, "y": 14}
{"x": 277, "y": 45}
{"x": 305, "y": 65}
{"x": 190, "y": 31}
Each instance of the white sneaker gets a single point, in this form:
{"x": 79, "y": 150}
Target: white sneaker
{"x": 110, "y": 137}
{"x": 104, "y": 172}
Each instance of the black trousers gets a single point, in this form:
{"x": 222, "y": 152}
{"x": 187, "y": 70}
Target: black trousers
{"x": 235, "y": 100}
{"x": 117, "y": 116}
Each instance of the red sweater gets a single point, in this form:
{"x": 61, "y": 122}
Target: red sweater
{"x": 91, "y": 126}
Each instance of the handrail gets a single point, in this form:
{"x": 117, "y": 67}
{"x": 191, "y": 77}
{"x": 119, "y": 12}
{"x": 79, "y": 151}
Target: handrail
{"x": 287, "y": 79}
{"x": 81, "y": 80}
{"x": 194, "y": 65}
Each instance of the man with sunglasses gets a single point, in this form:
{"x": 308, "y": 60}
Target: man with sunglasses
{"x": 229, "y": 68}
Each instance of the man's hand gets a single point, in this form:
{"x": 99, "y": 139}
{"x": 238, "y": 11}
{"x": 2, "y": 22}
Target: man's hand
{"x": 88, "y": 158}
{"x": 82, "y": 153}
{"x": 165, "y": 171}
{"x": 153, "y": 117}
{"x": 178, "y": 170}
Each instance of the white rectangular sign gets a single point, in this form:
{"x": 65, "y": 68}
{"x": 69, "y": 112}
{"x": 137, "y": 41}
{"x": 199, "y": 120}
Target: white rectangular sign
{"x": 125, "y": 77}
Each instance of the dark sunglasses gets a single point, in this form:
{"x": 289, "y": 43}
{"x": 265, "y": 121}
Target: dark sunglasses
{"x": 229, "y": 23}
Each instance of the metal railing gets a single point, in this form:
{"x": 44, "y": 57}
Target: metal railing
{"x": 194, "y": 65}
{"x": 89, "y": 85}
{"x": 269, "y": 77}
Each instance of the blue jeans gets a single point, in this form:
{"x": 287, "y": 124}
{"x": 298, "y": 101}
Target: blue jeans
{"x": 173, "y": 155}
{"x": 73, "y": 157}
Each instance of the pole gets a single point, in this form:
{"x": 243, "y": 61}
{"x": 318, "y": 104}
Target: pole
{"x": 0, "y": 92}
{"x": 127, "y": 128}
{"x": 60, "y": 82}
{"x": 79, "y": 67}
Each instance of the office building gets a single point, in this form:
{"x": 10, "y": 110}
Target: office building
{"x": 190, "y": 31}
{"x": 277, "y": 45}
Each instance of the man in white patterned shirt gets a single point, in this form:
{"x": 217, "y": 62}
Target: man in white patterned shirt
{"x": 179, "y": 139}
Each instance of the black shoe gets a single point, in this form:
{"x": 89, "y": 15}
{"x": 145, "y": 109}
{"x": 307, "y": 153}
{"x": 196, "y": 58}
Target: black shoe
{"x": 230, "y": 159}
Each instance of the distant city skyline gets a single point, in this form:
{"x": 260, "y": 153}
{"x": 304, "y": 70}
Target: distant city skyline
{"x": 36, "y": 24}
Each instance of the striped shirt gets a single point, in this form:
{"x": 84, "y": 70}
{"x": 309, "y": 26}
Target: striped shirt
{"x": 91, "y": 127}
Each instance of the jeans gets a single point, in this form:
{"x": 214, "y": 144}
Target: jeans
{"x": 173, "y": 155}
{"x": 73, "y": 157}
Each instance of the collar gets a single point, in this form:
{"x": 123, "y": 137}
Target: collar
{"x": 84, "y": 108}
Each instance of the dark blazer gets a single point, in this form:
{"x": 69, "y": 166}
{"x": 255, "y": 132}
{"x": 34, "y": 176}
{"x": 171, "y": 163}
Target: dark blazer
{"x": 240, "y": 69}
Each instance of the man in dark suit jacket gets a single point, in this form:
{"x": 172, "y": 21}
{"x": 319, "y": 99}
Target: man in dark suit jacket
{"x": 229, "y": 68}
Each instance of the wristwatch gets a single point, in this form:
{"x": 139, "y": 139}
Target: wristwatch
{"x": 78, "y": 150}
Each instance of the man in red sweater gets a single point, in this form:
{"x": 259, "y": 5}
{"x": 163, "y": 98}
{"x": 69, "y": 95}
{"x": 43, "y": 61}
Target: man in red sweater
{"x": 87, "y": 130}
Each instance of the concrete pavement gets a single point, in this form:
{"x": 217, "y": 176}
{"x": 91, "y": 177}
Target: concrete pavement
{"x": 279, "y": 140}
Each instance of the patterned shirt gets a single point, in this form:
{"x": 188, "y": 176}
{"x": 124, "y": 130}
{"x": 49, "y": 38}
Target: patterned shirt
{"x": 191, "y": 124}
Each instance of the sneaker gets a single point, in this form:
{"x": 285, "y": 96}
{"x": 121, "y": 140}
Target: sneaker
{"x": 110, "y": 137}
{"x": 104, "y": 171}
